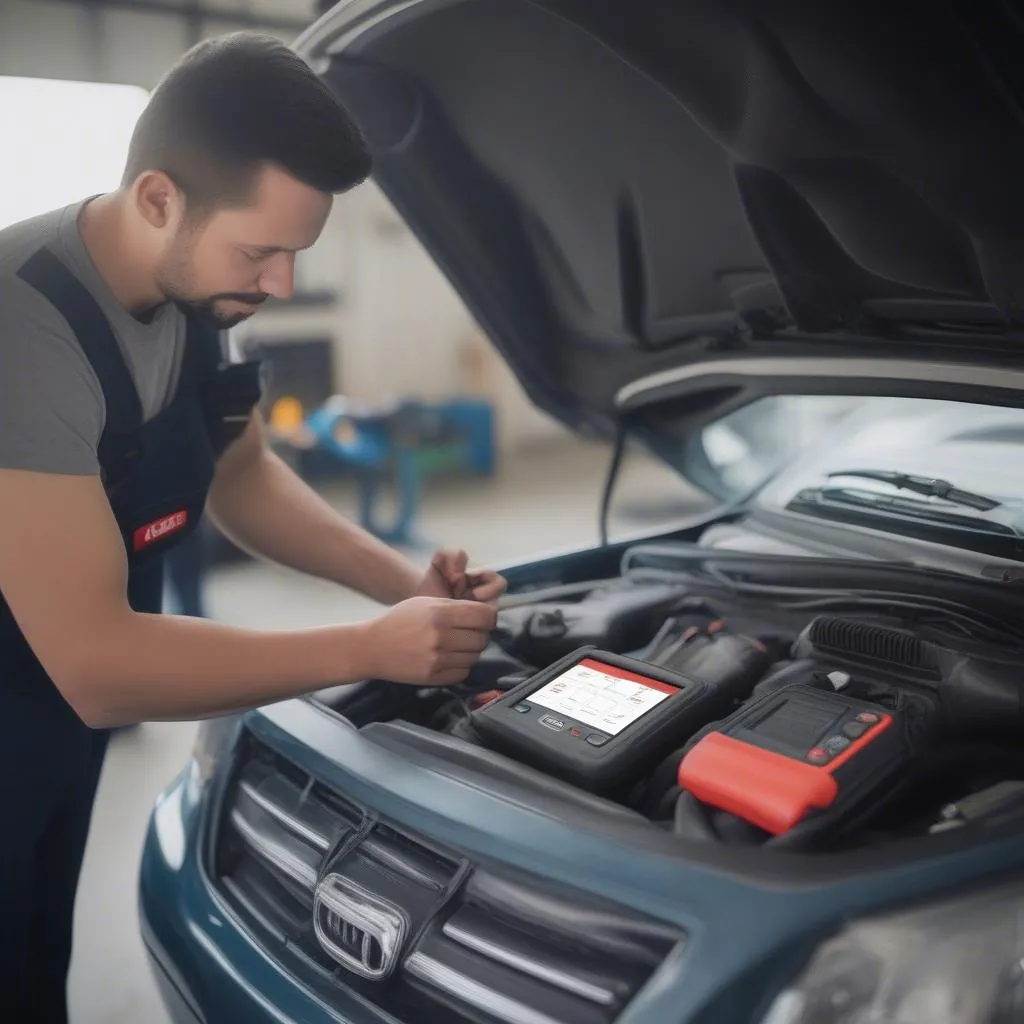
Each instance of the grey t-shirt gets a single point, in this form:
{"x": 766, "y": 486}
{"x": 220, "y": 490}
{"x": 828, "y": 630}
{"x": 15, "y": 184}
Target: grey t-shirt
{"x": 52, "y": 410}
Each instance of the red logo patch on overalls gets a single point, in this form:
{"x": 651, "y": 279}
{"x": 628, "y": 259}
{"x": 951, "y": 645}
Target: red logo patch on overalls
{"x": 158, "y": 529}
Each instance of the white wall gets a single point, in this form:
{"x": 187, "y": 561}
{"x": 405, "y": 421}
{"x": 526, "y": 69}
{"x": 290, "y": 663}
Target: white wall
{"x": 400, "y": 328}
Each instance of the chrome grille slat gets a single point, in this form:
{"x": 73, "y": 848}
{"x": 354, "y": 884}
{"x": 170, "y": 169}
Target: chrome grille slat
{"x": 517, "y": 961}
{"x": 286, "y": 818}
{"x": 403, "y": 862}
{"x": 461, "y": 986}
{"x": 276, "y": 854}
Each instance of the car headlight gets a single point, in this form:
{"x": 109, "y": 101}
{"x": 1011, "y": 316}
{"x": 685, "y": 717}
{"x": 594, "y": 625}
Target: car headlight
{"x": 958, "y": 961}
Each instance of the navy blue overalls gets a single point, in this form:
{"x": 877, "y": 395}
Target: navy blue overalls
{"x": 156, "y": 475}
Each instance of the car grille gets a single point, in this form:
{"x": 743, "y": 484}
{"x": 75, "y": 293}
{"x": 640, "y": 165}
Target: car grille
{"x": 345, "y": 902}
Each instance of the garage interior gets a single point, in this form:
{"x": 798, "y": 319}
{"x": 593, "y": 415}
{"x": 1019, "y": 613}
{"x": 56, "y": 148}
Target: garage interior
{"x": 368, "y": 297}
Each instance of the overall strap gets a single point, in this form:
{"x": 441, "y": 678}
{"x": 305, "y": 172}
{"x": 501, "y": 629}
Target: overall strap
{"x": 203, "y": 354}
{"x": 119, "y": 446}
{"x": 229, "y": 392}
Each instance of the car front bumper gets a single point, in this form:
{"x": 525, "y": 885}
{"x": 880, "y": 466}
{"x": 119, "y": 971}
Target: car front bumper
{"x": 749, "y": 930}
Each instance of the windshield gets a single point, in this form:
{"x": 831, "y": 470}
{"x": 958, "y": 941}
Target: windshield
{"x": 976, "y": 447}
{"x": 795, "y": 442}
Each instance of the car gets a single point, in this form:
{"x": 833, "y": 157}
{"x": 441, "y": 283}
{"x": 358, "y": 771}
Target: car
{"x": 762, "y": 766}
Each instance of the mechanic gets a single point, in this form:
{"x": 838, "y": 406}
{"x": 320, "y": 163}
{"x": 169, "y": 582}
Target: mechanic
{"x": 120, "y": 422}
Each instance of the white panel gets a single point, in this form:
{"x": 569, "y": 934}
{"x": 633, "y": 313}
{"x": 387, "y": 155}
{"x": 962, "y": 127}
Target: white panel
{"x": 71, "y": 139}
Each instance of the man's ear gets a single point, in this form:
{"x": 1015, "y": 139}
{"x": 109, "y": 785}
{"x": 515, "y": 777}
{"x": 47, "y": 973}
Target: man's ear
{"x": 160, "y": 202}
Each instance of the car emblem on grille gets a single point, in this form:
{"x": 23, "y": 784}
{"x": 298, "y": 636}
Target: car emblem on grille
{"x": 359, "y": 930}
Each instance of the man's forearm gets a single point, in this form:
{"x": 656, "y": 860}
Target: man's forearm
{"x": 270, "y": 512}
{"x": 133, "y": 667}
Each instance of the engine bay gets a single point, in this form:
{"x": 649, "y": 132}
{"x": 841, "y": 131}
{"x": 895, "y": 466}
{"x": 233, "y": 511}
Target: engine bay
{"x": 748, "y": 700}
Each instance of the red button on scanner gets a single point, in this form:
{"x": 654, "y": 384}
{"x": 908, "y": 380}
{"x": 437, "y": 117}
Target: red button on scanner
{"x": 818, "y": 755}
{"x": 869, "y": 717}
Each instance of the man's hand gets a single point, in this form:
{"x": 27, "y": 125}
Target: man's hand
{"x": 448, "y": 576}
{"x": 428, "y": 641}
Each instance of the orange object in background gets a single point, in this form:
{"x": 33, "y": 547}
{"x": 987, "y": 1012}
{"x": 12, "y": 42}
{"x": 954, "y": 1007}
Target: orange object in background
{"x": 287, "y": 414}
{"x": 287, "y": 422}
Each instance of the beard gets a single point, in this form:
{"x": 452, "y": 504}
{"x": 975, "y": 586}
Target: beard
{"x": 175, "y": 281}
{"x": 204, "y": 310}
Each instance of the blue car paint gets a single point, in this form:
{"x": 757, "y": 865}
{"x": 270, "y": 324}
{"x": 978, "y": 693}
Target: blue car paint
{"x": 745, "y": 936}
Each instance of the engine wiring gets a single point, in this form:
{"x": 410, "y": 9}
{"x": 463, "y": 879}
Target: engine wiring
{"x": 970, "y": 622}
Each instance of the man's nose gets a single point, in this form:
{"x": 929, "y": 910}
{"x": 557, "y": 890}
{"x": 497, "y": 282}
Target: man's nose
{"x": 278, "y": 277}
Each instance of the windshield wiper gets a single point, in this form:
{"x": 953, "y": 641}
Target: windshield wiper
{"x": 927, "y": 486}
{"x": 997, "y": 531}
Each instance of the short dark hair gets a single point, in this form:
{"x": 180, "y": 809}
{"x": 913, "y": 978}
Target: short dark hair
{"x": 235, "y": 103}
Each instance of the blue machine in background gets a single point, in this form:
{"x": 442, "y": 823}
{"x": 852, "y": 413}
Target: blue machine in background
{"x": 405, "y": 443}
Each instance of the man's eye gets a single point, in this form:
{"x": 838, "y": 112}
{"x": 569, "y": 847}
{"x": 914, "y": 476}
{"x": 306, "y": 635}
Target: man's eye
{"x": 256, "y": 257}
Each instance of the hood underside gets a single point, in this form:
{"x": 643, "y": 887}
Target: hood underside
{"x": 661, "y": 209}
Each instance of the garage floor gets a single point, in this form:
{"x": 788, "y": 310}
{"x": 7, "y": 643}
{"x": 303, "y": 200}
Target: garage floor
{"x": 540, "y": 503}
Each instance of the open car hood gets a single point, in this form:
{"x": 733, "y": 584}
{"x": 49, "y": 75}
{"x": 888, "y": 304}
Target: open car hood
{"x": 660, "y": 209}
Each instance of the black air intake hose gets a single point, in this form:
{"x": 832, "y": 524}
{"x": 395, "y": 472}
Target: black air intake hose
{"x": 864, "y": 640}
{"x": 980, "y": 693}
